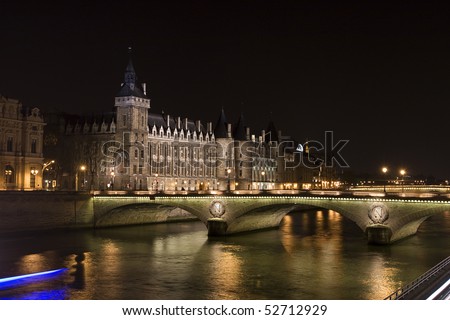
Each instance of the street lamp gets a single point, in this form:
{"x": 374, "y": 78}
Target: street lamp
{"x": 8, "y": 174}
{"x": 156, "y": 180}
{"x": 34, "y": 172}
{"x": 402, "y": 173}
{"x": 384, "y": 170}
{"x": 44, "y": 167}
{"x": 82, "y": 168}
{"x": 228, "y": 174}
{"x": 112, "y": 179}
{"x": 262, "y": 183}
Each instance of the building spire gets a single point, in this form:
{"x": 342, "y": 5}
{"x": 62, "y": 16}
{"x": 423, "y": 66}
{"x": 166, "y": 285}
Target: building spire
{"x": 130, "y": 75}
{"x": 130, "y": 86}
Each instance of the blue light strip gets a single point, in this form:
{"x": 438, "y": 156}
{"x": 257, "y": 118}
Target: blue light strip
{"x": 31, "y": 275}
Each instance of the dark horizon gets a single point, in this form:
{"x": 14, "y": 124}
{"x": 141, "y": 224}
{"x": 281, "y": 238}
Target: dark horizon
{"x": 374, "y": 74}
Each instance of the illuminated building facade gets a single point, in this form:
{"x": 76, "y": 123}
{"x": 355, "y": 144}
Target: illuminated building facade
{"x": 21, "y": 144}
{"x": 132, "y": 148}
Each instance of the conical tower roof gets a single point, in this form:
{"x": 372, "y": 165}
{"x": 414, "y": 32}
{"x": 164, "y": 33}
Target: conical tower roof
{"x": 239, "y": 131}
{"x": 129, "y": 86}
{"x": 220, "y": 130}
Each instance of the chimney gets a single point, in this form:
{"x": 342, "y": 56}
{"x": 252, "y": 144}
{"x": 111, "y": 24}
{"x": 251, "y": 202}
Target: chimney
{"x": 178, "y": 123}
{"x": 263, "y": 133}
{"x": 186, "y": 123}
{"x": 168, "y": 121}
{"x": 228, "y": 130}
{"x": 209, "y": 127}
{"x": 198, "y": 125}
{"x": 144, "y": 87}
{"x": 247, "y": 133}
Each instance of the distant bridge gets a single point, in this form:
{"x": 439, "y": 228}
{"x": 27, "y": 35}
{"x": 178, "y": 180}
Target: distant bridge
{"x": 384, "y": 218}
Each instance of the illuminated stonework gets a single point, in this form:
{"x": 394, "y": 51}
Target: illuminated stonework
{"x": 217, "y": 208}
{"x": 378, "y": 213}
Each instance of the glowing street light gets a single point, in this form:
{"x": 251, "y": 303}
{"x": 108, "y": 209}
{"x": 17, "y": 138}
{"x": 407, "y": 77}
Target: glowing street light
{"x": 228, "y": 174}
{"x": 402, "y": 173}
{"x": 384, "y": 170}
{"x": 34, "y": 172}
{"x": 83, "y": 169}
{"x": 46, "y": 164}
{"x": 113, "y": 175}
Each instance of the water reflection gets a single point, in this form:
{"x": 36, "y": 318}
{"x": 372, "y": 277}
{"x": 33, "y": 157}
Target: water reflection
{"x": 313, "y": 255}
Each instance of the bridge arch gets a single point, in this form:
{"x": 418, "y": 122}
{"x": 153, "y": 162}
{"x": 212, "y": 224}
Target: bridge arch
{"x": 142, "y": 213}
{"x": 383, "y": 220}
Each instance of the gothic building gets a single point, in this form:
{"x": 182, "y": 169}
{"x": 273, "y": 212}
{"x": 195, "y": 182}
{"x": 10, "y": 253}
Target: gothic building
{"x": 132, "y": 148}
{"x": 21, "y": 141}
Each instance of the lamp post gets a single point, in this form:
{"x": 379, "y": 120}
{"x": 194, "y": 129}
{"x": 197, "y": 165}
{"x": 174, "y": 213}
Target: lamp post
{"x": 8, "y": 174}
{"x": 83, "y": 169}
{"x": 384, "y": 170}
{"x": 156, "y": 182}
{"x": 113, "y": 175}
{"x": 262, "y": 182}
{"x": 34, "y": 172}
{"x": 44, "y": 167}
{"x": 228, "y": 174}
{"x": 402, "y": 173}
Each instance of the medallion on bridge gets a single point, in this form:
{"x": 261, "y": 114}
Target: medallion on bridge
{"x": 217, "y": 208}
{"x": 378, "y": 213}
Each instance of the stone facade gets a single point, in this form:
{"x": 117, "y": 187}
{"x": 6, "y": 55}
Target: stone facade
{"x": 134, "y": 149}
{"x": 21, "y": 146}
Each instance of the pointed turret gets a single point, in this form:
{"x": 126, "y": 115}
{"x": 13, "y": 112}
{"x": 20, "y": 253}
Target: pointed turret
{"x": 221, "y": 129}
{"x": 272, "y": 132}
{"x": 240, "y": 131}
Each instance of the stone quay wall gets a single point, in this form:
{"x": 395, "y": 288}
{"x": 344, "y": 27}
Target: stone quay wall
{"x": 41, "y": 210}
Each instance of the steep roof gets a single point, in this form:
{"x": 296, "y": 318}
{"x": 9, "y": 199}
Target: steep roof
{"x": 273, "y": 136}
{"x": 220, "y": 130}
{"x": 129, "y": 86}
{"x": 239, "y": 131}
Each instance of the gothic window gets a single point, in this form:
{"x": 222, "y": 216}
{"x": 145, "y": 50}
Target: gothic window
{"x": 135, "y": 153}
{"x": 124, "y": 120}
{"x": 142, "y": 154}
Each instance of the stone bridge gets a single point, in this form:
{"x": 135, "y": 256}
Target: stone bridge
{"x": 383, "y": 219}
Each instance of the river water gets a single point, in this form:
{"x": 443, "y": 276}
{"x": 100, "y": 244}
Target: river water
{"x": 315, "y": 254}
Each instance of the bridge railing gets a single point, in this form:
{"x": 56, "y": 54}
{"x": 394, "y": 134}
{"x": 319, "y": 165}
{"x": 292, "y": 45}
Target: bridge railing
{"x": 414, "y": 285}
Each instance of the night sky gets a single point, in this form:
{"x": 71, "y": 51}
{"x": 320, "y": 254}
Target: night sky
{"x": 376, "y": 73}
